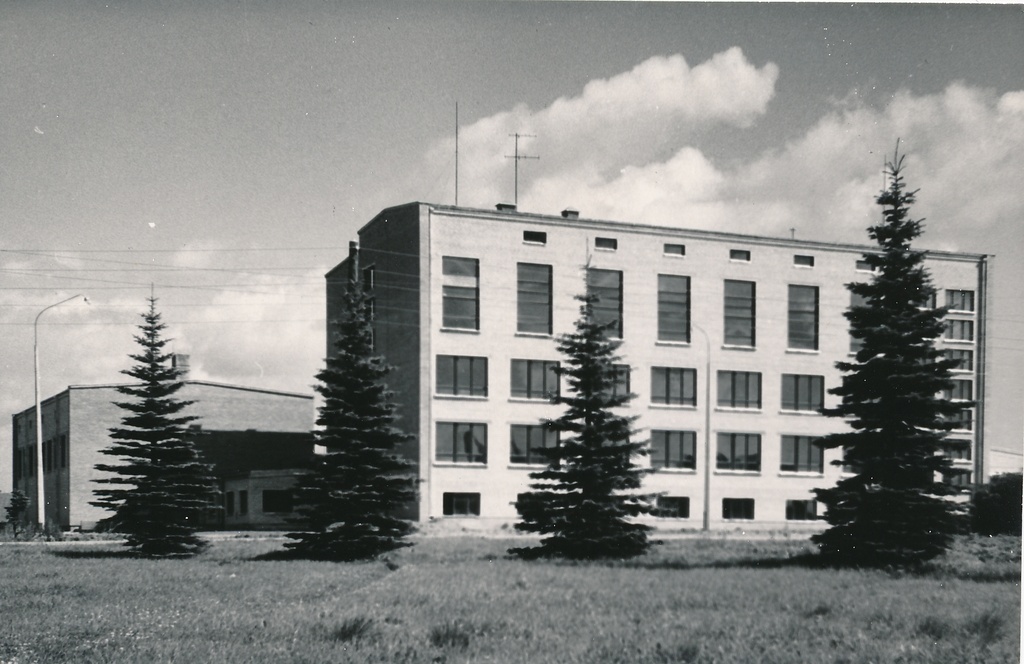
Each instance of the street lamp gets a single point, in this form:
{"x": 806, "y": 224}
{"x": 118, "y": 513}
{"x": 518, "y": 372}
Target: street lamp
{"x": 707, "y": 427}
{"x": 40, "y": 488}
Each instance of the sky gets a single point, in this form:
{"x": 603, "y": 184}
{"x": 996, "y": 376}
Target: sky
{"x": 222, "y": 155}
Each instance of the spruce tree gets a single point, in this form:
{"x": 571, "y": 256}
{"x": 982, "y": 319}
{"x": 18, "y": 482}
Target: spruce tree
{"x": 160, "y": 490}
{"x": 584, "y": 501}
{"x": 15, "y": 512}
{"x": 894, "y": 510}
{"x": 349, "y": 505}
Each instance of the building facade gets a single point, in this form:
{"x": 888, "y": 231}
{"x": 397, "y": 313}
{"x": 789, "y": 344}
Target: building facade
{"x": 728, "y": 341}
{"x": 76, "y": 425}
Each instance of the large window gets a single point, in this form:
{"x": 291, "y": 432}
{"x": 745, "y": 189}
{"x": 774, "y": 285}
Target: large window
{"x": 460, "y": 290}
{"x": 461, "y": 442}
{"x": 856, "y": 301}
{"x": 673, "y": 449}
{"x": 803, "y": 317}
{"x": 962, "y": 390}
{"x": 802, "y": 392}
{"x": 801, "y": 510}
{"x": 533, "y": 306}
{"x": 739, "y": 451}
{"x": 739, "y": 389}
{"x": 964, "y": 420}
{"x": 528, "y": 441}
{"x": 607, "y": 286}
{"x": 462, "y": 376}
{"x": 960, "y": 330}
{"x": 674, "y": 386}
{"x": 534, "y": 379}
{"x": 673, "y": 308}
{"x": 738, "y": 508}
{"x": 800, "y": 454}
{"x": 460, "y": 504}
{"x": 965, "y": 358}
{"x": 960, "y": 300}
{"x": 740, "y": 313}
{"x": 277, "y": 501}
{"x": 672, "y": 507}
{"x": 621, "y": 385}
{"x": 957, "y": 450}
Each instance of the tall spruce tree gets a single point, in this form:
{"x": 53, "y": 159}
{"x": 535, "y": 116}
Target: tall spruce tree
{"x": 583, "y": 502}
{"x": 349, "y": 506}
{"x": 894, "y": 510}
{"x": 161, "y": 489}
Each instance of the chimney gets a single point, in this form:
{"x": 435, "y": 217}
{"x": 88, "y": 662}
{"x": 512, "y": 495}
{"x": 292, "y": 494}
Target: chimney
{"x": 571, "y": 213}
{"x": 353, "y": 261}
{"x": 180, "y": 362}
{"x": 505, "y": 207}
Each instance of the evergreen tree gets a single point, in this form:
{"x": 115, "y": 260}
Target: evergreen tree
{"x": 160, "y": 490}
{"x": 15, "y": 512}
{"x": 349, "y": 504}
{"x": 893, "y": 509}
{"x": 584, "y": 500}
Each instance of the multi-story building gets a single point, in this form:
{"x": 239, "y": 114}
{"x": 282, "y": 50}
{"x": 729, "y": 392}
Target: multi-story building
{"x": 76, "y": 424}
{"x": 729, "y": 342}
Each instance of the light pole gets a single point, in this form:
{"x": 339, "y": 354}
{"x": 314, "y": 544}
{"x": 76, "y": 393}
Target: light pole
{"x": 40, "y": 488}
{"x": 707, "y": 427}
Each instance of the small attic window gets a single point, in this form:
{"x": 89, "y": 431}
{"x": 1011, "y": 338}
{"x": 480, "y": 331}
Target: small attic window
{"x": 607, "y": 243}
{"x": 739, "y": 255}
{"x": 864, "y": 266}
{"x": 675, "y": 249}
{"x": 803, "y": 261}
{"x": 535, "y": 237}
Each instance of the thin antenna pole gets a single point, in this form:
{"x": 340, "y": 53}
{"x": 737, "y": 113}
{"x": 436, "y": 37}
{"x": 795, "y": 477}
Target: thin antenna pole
{"x": 517, "y": 157}
{"x": 456, "y": 154}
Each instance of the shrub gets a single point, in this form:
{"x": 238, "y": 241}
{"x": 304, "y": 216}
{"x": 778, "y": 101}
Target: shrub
{"x": 997, "y": 506}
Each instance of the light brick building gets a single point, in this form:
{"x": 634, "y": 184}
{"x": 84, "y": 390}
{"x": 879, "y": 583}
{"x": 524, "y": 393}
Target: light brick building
{"x": 468, "y": 303}
{"x": 76, "y": 425}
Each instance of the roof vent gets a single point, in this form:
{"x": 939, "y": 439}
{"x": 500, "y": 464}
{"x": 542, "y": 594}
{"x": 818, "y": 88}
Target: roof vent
{"x": 571, "y": 213}
{"x": 505, "y": 207}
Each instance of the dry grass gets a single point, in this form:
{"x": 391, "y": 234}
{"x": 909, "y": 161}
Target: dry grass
{"x": 462, "y": 600}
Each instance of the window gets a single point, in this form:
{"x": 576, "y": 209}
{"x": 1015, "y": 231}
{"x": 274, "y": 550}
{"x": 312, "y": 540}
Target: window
{"x": 738, "y": 508}
{"x": 65, "y": 458}
{"x": 803, "y": 317}
{"x": 243, "y": 502}
{"x": 460, "y": 504}
{"x": 962, "y": 390}
{"x": 864, "y": 266}
{"x": 739, "y": 451}
{"x": 960, "y": 300}
{"x": 607, "y": 286}
{"x": 608, "y": 243}
{"x": 462, "y": 376}
{"x": 804, "y": 393}
{"x": 739, "y": 389}
{"x": 958, "y": 478}
{"x": 963, "y": 420}
{"x": 460, "y": 291}
{"x": 674, "y": 449}
{"x": 957, "y": 450}
{"x": 533, "y": 303}
{"x": 739, "y": 313}
{"x": 277, "y": 501}
{"x": 800, "y": 454}
{"x": 926, "y": 301}
{"x": 960, "y": 330}
{"x": 673, "y": 386}
{"x": 229, "y": 503}
{"x": 801, "y": 510}
{"x": 621, "y": 386}
{"x": 965, "y": 358}
{"x": 672, "y": 507}
{"x": 673, "y": 308}
{"x": 535, "y": 237}
{"x": 856, "y": 301}
{"x": 369, "y": 278}
{"x": 534, "y": 379}
{"x": 675, "y": 249}
{"x": 803, "y": 261}
{"x": 460, "y": 442}
{"x": 739, "y": 255}
{"x": 527, "y": 442}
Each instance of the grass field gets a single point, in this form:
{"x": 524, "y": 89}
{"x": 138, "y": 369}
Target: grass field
{"x": 462, "y": 600}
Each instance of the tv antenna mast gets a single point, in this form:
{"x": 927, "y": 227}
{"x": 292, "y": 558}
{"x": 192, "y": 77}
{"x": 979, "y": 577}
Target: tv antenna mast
{"x": 517, "y": 157}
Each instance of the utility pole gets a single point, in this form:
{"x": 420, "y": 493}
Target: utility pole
{"x": 517, "y": 157}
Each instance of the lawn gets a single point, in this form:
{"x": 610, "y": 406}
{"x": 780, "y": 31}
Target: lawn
{"x": 462, "y": 600}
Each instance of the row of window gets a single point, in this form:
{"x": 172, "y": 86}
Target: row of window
{"x": 274, "y": 501}
{"x": 56, "y": 456}
{"x": 534, "y": 297}
{"x": 460, "y": 375}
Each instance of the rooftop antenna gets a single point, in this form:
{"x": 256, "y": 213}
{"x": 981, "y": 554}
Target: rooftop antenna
{"x": 517, "y": 157}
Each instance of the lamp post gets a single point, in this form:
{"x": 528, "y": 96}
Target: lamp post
{"x": 707, "y": 427}
{"x": 40, "y": 488}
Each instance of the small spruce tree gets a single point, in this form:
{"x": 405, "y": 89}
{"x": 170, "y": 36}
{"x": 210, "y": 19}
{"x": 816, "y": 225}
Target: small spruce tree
{"x": 349, "y": 505}
{"x": 584, "y": 501}
{"x": 15, "y": 512}
{"x": 160, "y": 490}
{"x": 894, "y": 510}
